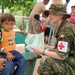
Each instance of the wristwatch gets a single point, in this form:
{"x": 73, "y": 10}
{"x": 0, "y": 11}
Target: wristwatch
{"x": 43, "y": 53}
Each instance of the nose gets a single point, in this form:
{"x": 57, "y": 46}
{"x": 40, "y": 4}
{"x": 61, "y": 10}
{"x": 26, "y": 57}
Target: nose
{"x": 50, "y": 15}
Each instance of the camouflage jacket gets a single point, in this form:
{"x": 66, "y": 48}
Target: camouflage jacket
{"x": 66, "y": 30}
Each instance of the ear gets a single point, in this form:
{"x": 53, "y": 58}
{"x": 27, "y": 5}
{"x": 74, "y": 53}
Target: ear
{"x": 61, "y": 15}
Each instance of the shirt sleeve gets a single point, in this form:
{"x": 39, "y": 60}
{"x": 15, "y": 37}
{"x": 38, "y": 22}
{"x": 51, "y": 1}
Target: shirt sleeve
{"x": 67, "y": 37}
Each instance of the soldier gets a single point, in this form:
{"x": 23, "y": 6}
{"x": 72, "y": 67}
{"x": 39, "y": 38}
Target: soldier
{"x": 61, "y": 53}
{"x": 38, "y": 9}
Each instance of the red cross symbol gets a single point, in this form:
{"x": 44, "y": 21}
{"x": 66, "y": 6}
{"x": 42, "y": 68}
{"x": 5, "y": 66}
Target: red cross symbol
{"x": 61, "y": 46}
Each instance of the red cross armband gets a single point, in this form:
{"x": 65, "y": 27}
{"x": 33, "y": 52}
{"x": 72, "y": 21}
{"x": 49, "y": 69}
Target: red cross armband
{"x": 62, "y": 46}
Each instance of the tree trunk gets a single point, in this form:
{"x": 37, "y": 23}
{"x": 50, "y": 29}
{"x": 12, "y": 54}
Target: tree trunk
{"x": 23, "y": 24}
{"x": 2, "y": 9}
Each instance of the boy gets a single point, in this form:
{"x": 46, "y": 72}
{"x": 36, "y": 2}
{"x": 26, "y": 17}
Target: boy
{"x": 8, "y": 46}
{"x": 72, "y": 18}
{"x": 45, "y": 22}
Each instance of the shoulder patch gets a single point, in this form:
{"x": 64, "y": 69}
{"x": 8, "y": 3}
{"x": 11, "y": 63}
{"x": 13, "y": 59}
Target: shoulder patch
{"x": 62, "y": 35}
{"x": 62, "y": 46}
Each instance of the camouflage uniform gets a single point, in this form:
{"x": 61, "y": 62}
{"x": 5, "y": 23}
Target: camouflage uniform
{"x": 51, "y": 66}
{"x": 34, "y": 25}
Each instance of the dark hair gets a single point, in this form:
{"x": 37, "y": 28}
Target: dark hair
{"x": 36, "y": 16}
{"x": 46, "y": 13}
{"x": 46, "y": 0}
{"x": 7, "y": 16}
{"x": 67, "y": 1}
{"x": 73, "y": 6}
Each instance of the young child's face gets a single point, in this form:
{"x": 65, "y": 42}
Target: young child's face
{"x": 8, "y": 25}
{"x": 73, "y": 10}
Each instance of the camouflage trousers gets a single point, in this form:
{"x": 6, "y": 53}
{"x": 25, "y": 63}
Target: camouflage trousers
{"x": 49, "y": 66}
{"x": 34, "y": 25}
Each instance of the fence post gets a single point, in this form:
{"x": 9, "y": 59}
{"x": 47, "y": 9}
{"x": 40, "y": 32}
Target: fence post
{"x": 27, "y": 24}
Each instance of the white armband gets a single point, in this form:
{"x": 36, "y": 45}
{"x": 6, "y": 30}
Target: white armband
{"x": 2, "y": 49}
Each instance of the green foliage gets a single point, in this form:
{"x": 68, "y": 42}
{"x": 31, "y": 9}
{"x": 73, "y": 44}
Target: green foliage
{"x": 19, "y": 8}
{"x": 15, "y": 5}
{"x": 19, "y": 23}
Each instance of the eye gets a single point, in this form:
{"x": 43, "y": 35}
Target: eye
{"x": 6, "y": 23}
{"x": 12, "y": 24}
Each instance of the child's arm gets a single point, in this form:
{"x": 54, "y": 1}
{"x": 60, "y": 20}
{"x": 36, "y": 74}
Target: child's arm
{"x": 42, "y": 24}
{"x": 24, "y": 32}
{"x": 9, "y": 55}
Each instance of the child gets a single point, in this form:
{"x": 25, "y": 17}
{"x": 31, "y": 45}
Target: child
{"x": 72, "y": 18}
{"x": 8, "y": 47}
{"x": 45, "y": 22}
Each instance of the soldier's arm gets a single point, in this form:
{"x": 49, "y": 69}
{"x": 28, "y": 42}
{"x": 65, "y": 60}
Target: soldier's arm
{"x": 65, "y": 36}
{"x": 69, "y": 39}
{"x": 52, "y": 54}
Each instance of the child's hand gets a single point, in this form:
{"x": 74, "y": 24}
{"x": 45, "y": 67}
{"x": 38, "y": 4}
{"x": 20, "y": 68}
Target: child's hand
{"x": 24, "y": 32}
{"x": 42, "y": 27}
{"x": 10, "y": 56}
{"x": 37, "y": 50}
{"x": 2, "y": 65}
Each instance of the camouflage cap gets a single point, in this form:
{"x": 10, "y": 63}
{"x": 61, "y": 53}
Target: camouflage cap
{"x": 58, "y": 9}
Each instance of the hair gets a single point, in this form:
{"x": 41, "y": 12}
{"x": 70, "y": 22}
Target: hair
{"x": 7, "y": 16}
{"x": 73, "y": 6}
{"x": 46, "y": 13}
{"x": 67, "y": 1}
{"x": 36, "y": 16}
{"x": 46, "y": 0}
